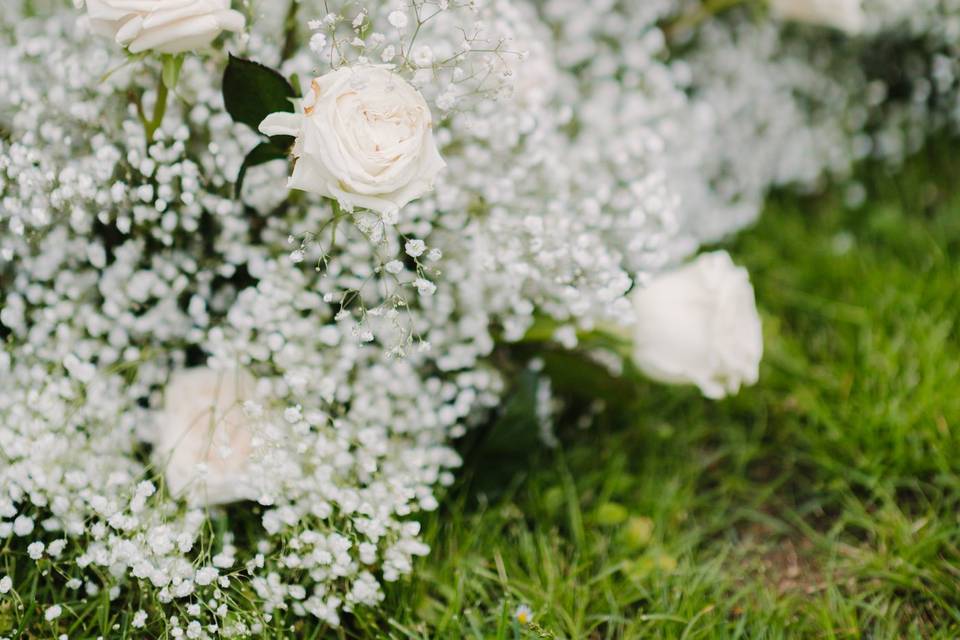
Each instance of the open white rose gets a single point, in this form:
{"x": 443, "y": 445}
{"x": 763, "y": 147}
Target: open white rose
{"x": 699, "y": 325}
{"x": 364, "y": 138}
{"x": 846, "y": 15}
{"x": 166, "y": 26}
{"x": 204, "y": 438}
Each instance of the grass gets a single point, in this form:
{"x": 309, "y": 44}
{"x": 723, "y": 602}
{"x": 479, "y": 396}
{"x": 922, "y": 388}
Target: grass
{"x": 822, "y": 503}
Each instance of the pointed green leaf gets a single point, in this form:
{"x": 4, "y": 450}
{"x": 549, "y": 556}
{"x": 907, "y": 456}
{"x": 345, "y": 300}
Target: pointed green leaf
{"x": 252, "y": 91}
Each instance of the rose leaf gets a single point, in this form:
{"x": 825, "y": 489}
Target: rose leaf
{"x": 252, "y": 91}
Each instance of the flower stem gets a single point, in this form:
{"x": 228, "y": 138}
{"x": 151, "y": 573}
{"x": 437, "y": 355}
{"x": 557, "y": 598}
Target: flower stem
{"x": 337, "y": 214}
{"x": 290, "y": 32}
{"x": 159, "y": 111}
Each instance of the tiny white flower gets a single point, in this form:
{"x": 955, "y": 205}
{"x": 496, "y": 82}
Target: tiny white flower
{"x": 425, "y": 287}
{"x": 23, "y": 526}
{"x": 35, "y": 550}
{"x": 422, "y": 56}
{"x": 56, "y": 548}
{"x": 394, "y": 267}
{"x": 415, "y": 248}
{"x": 398, "y": 19}
{"x": 52, "y": 613}
{"x": 206, "y": 575}
{"x": 6, "y": 583}
{"x": 446, "y": 101}
{"x": 292, "y": 414}
{"x": 317, "y": 42}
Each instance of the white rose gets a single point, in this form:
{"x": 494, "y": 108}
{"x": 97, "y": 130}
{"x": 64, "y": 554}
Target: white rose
{"x": 846, "y": 15}
{"x": 166, "y": 26}
{"x": 204, "y": 439}
{"x": 699, "y": 325}
{"x": 364, "y": 138}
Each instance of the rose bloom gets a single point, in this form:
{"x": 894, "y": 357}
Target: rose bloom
{"x": 846, "y": 15}
{"x": 204, "y": 440}
{"x": 699, "y": 325}
{"x": 364, "y": 137}
{"x": 165, "y": 26}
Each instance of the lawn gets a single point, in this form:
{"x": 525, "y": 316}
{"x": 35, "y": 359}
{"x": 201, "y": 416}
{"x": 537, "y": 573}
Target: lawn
{"x": 823, "y": 502}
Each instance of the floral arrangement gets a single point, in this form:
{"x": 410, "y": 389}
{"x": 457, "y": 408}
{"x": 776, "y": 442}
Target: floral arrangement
{"x": 269, "y": 258}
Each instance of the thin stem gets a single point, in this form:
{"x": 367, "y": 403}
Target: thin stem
{"x": 290, "y": 32}
{"x": 337, "y": 214}
{"x": 159, "y": 111}
{"x": 138, "y": 103}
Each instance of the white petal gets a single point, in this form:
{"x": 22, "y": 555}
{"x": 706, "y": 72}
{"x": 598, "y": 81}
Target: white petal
{"x": 281, "y": 124}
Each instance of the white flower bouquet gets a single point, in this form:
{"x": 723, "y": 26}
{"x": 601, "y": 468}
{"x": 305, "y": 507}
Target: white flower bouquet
{"x": 264, "y": 262}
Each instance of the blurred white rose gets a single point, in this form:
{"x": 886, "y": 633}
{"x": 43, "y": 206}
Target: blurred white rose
{"x": 204, "y": 438}
{"x": 699, "y": 325}
{"x": 165, "y": 26}
{"x": 364, "y": 138}
{"x": 846, "y": 15}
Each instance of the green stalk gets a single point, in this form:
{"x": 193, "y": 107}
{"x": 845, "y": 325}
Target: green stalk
{"x": 290, "y": 32}
{"x": 337, "y": 214}
{"x": 159, "y": 111}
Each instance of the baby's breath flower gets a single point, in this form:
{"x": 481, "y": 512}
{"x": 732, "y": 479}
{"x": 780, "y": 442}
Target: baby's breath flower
{"x": 318, "y": 42}
{"x": 398, "y": 19}
{"x": 415, "y": 248}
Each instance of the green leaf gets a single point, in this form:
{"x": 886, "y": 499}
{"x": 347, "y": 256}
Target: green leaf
{"x": 171, "y": 70}
{"x": 263, "y": 153}
{"x": 252, "y": 91}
